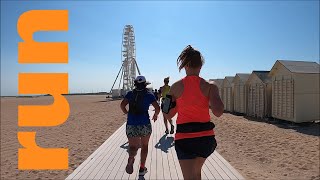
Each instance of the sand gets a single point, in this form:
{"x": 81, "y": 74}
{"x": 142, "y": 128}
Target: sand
{"x": 92, "y": 120}
{"x": 257, "y": 149}
{"x": 269, "y": 150}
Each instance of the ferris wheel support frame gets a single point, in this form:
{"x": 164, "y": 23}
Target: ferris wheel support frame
{"x": 129, "y": 65}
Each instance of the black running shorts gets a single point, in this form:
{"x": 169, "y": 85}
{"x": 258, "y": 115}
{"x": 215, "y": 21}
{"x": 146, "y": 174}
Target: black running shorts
{"x": 191, "y": 148}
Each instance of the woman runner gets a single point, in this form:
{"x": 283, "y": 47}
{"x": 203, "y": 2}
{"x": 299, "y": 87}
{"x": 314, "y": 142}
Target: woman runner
{"x": 163, "y": 91}
{"x": 194, "y": 139}
{"x": 138, "y": 128}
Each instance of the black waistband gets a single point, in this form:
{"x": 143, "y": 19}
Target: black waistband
{"x": 194, "y": 127}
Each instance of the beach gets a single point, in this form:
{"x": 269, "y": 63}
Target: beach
{"x": 91, "y": 121}
{"x": 257, "y": 149}
{"x": 262, "y": 150}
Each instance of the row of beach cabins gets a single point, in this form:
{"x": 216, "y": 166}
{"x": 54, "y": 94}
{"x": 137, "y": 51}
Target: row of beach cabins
{"x": 289, "y": 91}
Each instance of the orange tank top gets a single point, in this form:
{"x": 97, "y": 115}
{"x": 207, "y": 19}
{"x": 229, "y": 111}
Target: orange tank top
{"x": 192, "y": 106}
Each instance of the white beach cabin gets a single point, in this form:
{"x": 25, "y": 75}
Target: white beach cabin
{"x": 295, "y": 90}
{"x": 219, "y": 84}
{"x": 259, "y": 99}
{"x": 227, "y": 91}
{"x": 240, "y": 95}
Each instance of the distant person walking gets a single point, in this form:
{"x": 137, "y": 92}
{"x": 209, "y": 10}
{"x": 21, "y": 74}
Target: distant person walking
{"x": 138, "y": 128}
{"x": 163, "y": 91}
{"x": 194, "y": 139}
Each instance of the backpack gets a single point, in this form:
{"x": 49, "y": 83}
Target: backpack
{"x": 136, "y": 102}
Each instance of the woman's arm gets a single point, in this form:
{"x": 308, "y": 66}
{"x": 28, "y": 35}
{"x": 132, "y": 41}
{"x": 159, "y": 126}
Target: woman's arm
{"x": 171, "y": 113}
{"x": 123, "y": 105}
{"x": 216, "y": 104}
{"x": 157, "y": 110}
{"x": 159, "y": 92}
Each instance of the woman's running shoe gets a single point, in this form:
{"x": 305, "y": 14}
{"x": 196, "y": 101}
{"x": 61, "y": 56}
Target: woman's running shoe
{"x": 129, "y": 167}
{"x": 143, "y": 171}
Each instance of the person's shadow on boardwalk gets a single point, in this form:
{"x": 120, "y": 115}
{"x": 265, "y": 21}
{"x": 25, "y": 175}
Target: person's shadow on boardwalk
{"x": 125, "y": 146}
{"x": 165, "y": 143}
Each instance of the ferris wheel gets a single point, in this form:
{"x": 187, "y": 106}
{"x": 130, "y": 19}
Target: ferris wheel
{"x": 129, "y": 65}
{"x": 129, "y": 58}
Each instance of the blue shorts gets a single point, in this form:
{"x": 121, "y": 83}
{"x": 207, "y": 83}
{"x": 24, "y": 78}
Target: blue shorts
{"x": 191, "y": 148}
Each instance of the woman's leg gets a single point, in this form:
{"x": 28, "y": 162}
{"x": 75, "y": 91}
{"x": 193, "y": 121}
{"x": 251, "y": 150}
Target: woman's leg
{"x": 165, "y": 124}
{"x": 133, "y": 148}
{"x": 164, "y": 119}
{"x": 187, "y": 168}
{"x": 206, "y": 146}
{"x": 191, "y": 168}
{"x": 172, "y": 127}
{"x": 145, "y": 133}
{"x": 134, "y": 144}
{"x": 144, "y": 148}
{"x": 199, "y": 161}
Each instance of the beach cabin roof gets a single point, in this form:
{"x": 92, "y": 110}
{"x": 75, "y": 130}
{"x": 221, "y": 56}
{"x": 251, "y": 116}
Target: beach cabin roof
{"x": 306, "y": 67}
{"x": 262, "y": 75}
{"x": 229, "y": 78}
{"x": 217, "y": 81}
{"x": 243, "y": 77}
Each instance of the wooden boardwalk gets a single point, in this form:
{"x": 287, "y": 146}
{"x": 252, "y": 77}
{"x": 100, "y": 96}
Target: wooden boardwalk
{"x": 110, "y": 159}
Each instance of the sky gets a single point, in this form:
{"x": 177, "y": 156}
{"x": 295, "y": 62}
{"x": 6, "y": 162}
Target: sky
{"x": 233, "y": 36}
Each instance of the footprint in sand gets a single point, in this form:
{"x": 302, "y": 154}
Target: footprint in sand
{"x": 281, "y": 165}
{"x": 289, "y": 169}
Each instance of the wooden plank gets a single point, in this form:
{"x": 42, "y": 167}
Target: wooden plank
{"x": 171, "y": 169}
{"x": 172, "y": 166}
{"x": 159, "y": 156}
{"x": 212, "y": 169}
{"x": 230, "y": 168}
{"x": 120, "y": 173}
{"x": 102, "y": 165}
{"x": 223, "y": 167}
{"x": 95, "y": 171}
{"x": 91, "y": 159}
{"x": 136, "y": 166}
{"x": 153, "y": 167}
{"x": 165, "y": 144}
{"x": 122, "y": 152}
{"x": 205, "y": 172}
{"x": 93, "y": 155}
{"x": 150, "y": 148}
{"x": 109, "y": 156}
{"x": 115, "y": 165}
{"x": 217, "y": 167}
{"x": 165, "y": 162}
{"x": 125, "y": 174}
{"x": 177, "y": 165}
{"x": 121, "y": 169}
